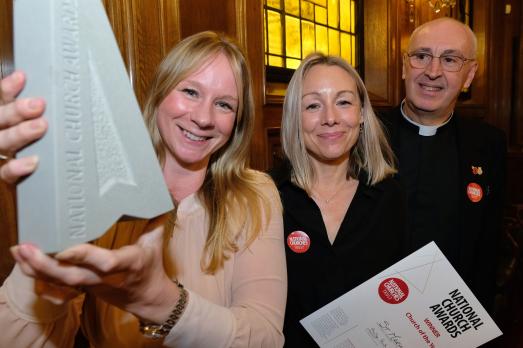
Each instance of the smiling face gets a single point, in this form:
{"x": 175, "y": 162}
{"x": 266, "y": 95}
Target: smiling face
{"x": 197, "y": 117}
{"x": 331, "y": 113}
{"x": 431, "y": 92}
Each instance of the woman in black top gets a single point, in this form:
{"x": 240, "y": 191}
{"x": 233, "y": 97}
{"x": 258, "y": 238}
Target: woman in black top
{"x": 343, "y": 212}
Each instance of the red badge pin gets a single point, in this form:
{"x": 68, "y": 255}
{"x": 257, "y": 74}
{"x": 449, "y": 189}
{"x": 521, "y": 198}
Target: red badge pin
{"x": 299, "y": 242}
{"x": 393, "y": 290}
{"x": 474, "y": 192}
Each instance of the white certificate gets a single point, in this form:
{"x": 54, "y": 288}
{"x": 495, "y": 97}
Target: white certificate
{"x": 421, "y": 301}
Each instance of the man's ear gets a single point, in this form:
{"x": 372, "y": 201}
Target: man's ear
{"x": 471, "y": 73}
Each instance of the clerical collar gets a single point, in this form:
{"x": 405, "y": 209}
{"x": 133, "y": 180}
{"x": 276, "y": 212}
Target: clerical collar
{"x": 426, "y": 131}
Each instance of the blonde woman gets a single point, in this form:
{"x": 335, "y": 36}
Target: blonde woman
{"x": 217, "y": 278}
{"x": 343, "y": 212}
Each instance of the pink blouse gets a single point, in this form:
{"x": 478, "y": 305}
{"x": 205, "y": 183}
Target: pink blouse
{"x": 241, "y": 305}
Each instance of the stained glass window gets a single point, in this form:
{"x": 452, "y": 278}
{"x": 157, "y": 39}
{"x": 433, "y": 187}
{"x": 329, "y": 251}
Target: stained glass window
{"x": 295, "y": 28}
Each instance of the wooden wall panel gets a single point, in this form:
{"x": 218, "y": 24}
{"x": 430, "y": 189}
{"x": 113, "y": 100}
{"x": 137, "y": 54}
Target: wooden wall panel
{"x": 145, "y": 30}
{"x": 8, "y": 235}
{"x": 516, "y": 124}
{"x": 249, "y": 26}
{"x": 381, "y": 55}
{"x": 200, "y": 15}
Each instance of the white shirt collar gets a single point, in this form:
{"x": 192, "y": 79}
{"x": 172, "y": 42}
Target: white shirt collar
{"x": 426, "y": 131}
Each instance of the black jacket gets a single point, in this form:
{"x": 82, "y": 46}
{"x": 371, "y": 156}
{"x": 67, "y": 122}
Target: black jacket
{"x": 370, "y": 239}
{"x": 483, "y": 147}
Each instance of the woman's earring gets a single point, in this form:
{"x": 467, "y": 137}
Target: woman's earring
{"x": 361, "y": 127}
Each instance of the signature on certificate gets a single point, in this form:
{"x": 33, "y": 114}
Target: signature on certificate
{"x": 389, "y": 334}
{"x": 376, "y": 337}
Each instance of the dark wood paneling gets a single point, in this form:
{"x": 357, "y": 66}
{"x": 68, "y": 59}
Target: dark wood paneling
{"x": 516, "y": 124}
{"x": 382, "y": 51}
{"x": 199, "y": 15}
{"x": 249, "y": 27}
{"x": 8, "y": 235}
{"x": 145, "y": 30}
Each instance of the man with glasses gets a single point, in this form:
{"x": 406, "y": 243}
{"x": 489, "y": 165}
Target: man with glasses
{"x": 452, "y": 168}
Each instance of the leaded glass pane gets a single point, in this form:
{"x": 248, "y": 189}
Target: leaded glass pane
{"x": 307, "y": 38}
{"x": 292, "y": 37}
{"x": 276, "y": 61}
{"x": 353, "y": 16}
{"x": 321, "y": 15}
{"x": 293, "y": 63}
{"x": 353, "y": 51}
{"x": 333, "y": 13}
{"x": 345, "y": 15}
{"x": 320, "y": 2}
{"x": 292, "y": 7}
{"x": 334, "y": 42}
{"x": 345, "y": 47}
{"x": 274, "y": 3}
{"x": 307, "y": 10}
{"x": 275, "y": 32}
{"x": 295, "y": 28}
{"x": 322, "y": 40}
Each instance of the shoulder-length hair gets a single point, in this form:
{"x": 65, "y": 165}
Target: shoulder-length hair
{"x": 230, "y": 191}
{"x": 371, "y": 153}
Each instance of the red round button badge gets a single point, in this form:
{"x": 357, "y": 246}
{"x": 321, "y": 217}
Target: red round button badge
{"x": 474, "y": 192}
{"x": 299, "y": 242}
{"x": 393, "y": 290}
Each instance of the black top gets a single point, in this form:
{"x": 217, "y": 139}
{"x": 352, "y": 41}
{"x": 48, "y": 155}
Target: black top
{"x": 429, "y": 172}
{"x": 471, "y": 244}
{"x": 369, "y": 240}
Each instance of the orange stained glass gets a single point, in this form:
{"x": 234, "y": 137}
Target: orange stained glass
{"x": 353, "y": 51}
{"x": 321, "y": 14}
{"x": 334, "y": 42}
{"x": 322, "y": 40}
{"x": 307, "y": 10}
{"x": 353, "y": 16}
{"x": 307, "y": 38}
{"x": 320, "y": 2}
{"x": 292, "y": 37}
{"x": 345, "y": 47}
{"x": 293, "y": 63}
{"x": 274, "y": 3}
{"x": 345, "y": 15}
{"x": 333, "y": 13}
{"x": 275, "y": 32}
{"x": 276, "y": 61}
{"x": 292, "y": 7}
{"x": 296, "y": 28}
{"x": 265, "y": 32}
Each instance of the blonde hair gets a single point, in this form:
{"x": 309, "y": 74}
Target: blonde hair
{"x": 371, "y": 153}
{"x": 230, "y": 191}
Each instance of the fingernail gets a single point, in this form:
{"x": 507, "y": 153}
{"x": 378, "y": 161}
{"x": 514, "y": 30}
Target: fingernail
{"x": 31, "y": 163}
{"x": 14, "y": 250}
{"x": 16, "y": 76}
{"x": 35, "y": 104}
{"x": 26, "y": 250}
{"x": 37, "y": 124}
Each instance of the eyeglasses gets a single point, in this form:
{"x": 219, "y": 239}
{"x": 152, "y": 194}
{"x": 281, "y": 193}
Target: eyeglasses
{"x": 449, "y": 62}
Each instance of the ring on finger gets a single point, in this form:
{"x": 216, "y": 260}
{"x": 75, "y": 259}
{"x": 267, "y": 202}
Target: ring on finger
{"x": 4, "y": 157}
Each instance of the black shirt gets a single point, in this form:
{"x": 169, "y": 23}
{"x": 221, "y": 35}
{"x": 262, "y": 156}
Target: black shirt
{"x": 429, "y": 172}
{"x": 370, "y": 239}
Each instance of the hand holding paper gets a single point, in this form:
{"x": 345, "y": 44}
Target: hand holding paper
{"x": 419, "y": 302}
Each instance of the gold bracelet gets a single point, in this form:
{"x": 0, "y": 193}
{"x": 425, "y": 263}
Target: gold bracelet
{"x": 157, "y": 331}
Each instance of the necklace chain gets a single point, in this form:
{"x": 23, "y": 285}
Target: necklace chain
{"x": 316, "y": 196}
